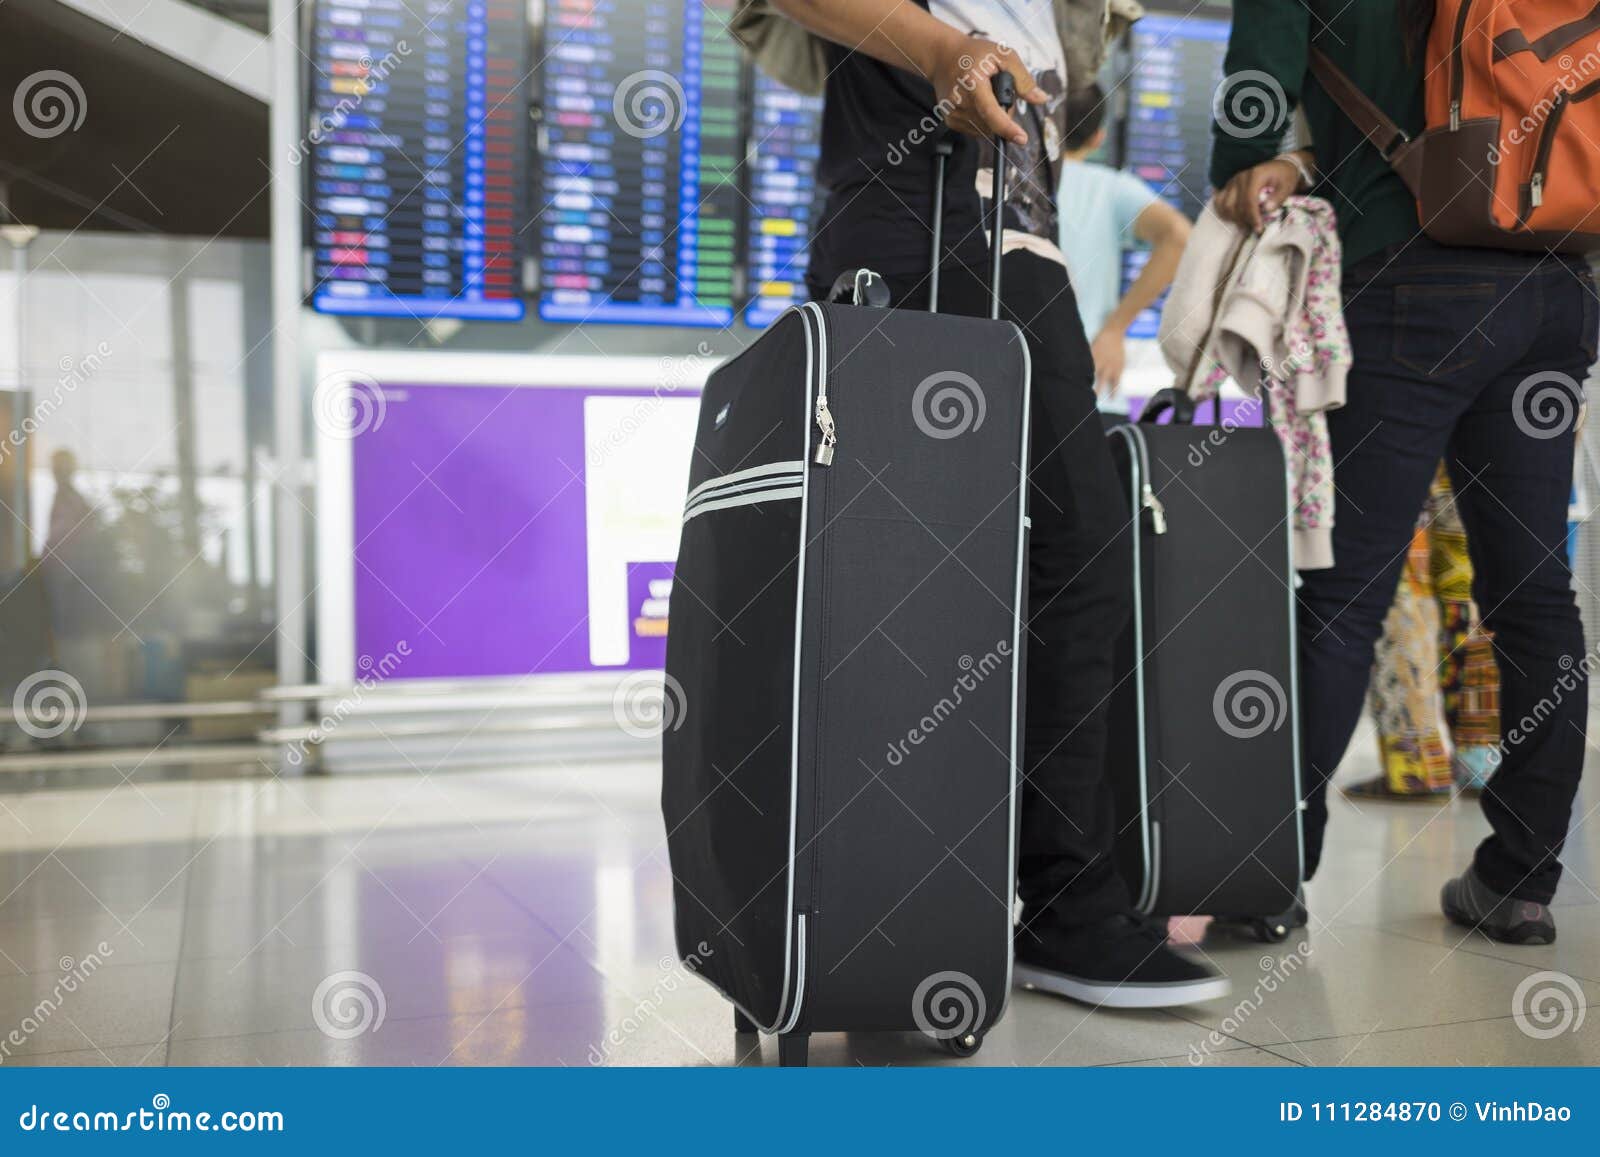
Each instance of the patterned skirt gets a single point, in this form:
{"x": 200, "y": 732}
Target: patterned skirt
{"x": 1434, "y": 650}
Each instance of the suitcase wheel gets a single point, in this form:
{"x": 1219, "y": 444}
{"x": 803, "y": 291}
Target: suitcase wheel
{"x": 964, "y": 1045}
{"x": 1267, "y": 929}
{"x": 1270, "y": 931}
{"x": 742, "y": 1023}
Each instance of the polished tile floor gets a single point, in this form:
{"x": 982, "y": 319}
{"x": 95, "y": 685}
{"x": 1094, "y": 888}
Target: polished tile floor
{"x": 523, "y": 917}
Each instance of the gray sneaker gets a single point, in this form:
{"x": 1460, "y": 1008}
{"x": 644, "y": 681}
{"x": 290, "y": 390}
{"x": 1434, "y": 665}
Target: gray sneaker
{"x": 1470, "y": 902}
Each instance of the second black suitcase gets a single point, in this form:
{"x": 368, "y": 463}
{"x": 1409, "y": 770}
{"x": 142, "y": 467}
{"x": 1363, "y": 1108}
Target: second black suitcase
{"x": 1204, "y": 727}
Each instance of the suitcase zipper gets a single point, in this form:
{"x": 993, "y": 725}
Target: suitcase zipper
{"x": 1158, "y": 512}
{"x": 824, "y": 421}
{"x": 822, "y": 457}
{"x": 1147, "y": 493}
{"x": 824, "y": 416}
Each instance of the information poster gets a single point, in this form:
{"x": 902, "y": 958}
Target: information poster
{"x": 502, "y": 529}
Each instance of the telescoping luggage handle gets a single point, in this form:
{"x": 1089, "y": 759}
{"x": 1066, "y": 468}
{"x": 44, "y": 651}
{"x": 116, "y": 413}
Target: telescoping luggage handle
{"x": 1005, "y": 91}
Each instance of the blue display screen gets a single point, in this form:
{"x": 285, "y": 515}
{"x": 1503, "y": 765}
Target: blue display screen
{"x": 639, "y": 166}
{"x": 1175, "y": 69}
{"x": 785, "y": 142}
{"x": 416, "y": 148}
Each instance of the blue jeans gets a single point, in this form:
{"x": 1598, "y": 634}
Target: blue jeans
{"x": 1476, "y": 357}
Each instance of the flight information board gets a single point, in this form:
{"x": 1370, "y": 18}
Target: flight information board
{"x": 785, "y": 142}
{"x": 1176, "y": 66}
{"x": 640, "y": 162}
{"x": 417, "y": 154}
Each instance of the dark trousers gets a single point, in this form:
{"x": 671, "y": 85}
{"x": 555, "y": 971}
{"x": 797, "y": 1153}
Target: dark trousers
{"x": 1478, "y": 358}
{"x": 1079, "y": 581}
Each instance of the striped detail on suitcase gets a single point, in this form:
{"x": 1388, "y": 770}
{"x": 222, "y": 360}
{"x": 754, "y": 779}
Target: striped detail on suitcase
{"x": 772, "y": 482}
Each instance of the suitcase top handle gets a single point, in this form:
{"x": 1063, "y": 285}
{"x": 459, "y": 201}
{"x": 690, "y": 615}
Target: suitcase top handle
{"x": 860, "y": 287}
{"x": 1005, "y": 92}
{"x": 1174, "y": 399}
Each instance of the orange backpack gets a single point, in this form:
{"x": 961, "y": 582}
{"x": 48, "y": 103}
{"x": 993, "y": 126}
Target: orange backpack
{"x": 1510, "y": 158}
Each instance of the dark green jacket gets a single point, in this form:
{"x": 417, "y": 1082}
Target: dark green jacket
{"x": 1269, "y": 47}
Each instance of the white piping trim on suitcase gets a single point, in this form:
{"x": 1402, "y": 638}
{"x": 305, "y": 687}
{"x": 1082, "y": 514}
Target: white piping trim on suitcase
{"x": 1155, "y": 863}
{"x": 1023, "y": 523}
{"x": 800, "y": 959}
{"x": 794, "y": 934}
{"x": 816, "y": 355}
{"x": 740, "y": 479}
{"x": 1131, "y": 435}
{"x": 1294, "y": 688}
{"x": 750, "y": 499}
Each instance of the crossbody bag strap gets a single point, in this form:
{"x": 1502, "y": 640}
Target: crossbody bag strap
{"x": 1394, "y": 143}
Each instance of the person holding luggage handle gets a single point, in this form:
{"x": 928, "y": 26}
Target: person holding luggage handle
{"x": 1461, "y": 353}
{"x": 893, "y": 64}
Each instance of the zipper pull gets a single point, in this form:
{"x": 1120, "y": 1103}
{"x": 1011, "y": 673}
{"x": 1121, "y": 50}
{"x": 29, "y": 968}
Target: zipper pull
{"x": 1536, "y": 190}
{"x": 1158, "y": 512}
{"x": 824, "y": 454}
{"x": 1455, "y": 115}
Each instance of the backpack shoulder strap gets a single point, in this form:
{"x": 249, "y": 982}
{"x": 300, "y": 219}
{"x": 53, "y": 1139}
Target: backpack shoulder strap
{"x": 1393, "y": 142}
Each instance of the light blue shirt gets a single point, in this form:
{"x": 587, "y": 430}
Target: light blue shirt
{"x": 1098, "y": 205}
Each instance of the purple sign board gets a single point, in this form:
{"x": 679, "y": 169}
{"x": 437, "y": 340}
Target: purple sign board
{"x": 512, "y": 530}
{"x": 649, "y": 588}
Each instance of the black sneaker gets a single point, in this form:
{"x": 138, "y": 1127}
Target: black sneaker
{"x": 1268, "y": 929}
{"x": 1118, "y": 963}
{"x": 1471, "y": 903}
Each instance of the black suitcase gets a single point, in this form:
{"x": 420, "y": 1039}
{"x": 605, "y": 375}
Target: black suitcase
{"x": 1204, "y": 751}
{"x": 845, "y": 658}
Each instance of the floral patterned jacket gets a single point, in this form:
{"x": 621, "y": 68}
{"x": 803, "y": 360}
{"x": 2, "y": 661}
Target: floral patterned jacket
{"x": 1265, "y": 311}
